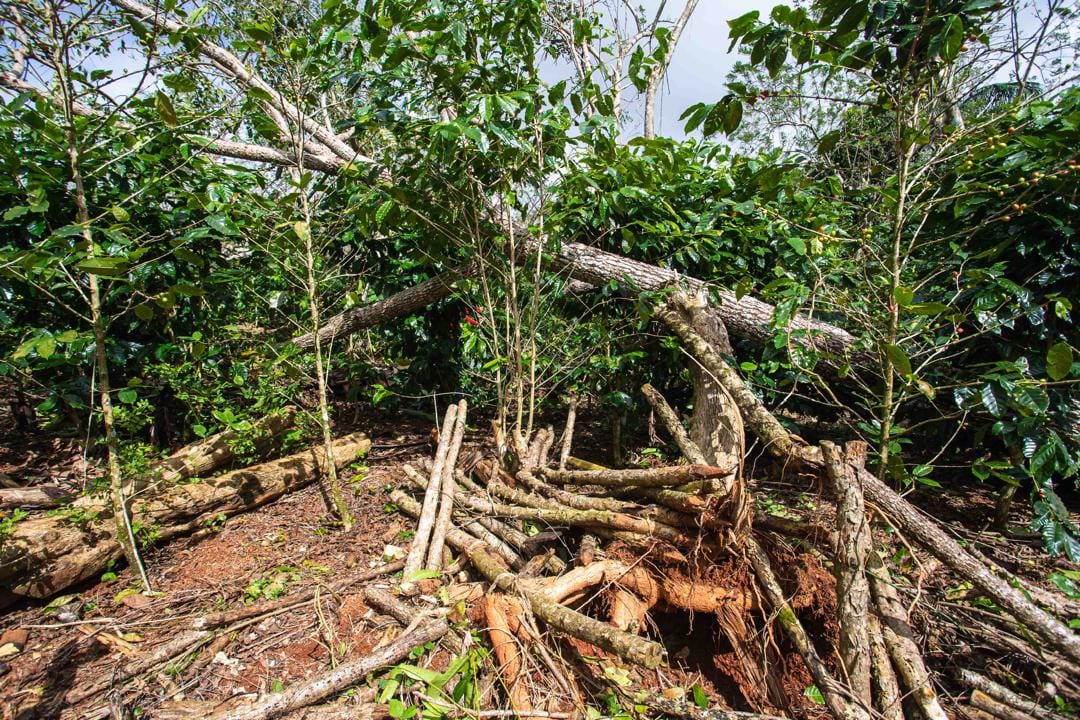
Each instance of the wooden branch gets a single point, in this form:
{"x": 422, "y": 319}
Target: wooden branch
{"x": 835, "y": 694}
{"x": 1004, "y": 695}
{"x": 235, "y": 67}
{"x": 568, "y": 431}
{"x": 418, "y": 549}
{"x": 999, "y": 710}
{"x": 651, "y": 477}
{"x": 228, "y": 617}
{"x": 336, "y": 680}
{"x": 629, "y": 647}
{"x": 675, "y": 429}
{"x": 887, "y": 697}
{"x": 900, "y": 641}
{"x": 852, "y": 590}
{"x": 447, "y": 490}
{"x": 571, "y": 517}
{"x": 990, "y": 581}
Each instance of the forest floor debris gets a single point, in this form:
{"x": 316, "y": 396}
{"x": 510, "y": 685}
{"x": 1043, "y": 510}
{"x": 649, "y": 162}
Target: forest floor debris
{"x": 271, "y": 579}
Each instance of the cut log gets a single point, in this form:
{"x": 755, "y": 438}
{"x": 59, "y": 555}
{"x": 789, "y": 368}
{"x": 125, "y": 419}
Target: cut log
{"x": 447, "y": 488}
{"x": 215, "y": 452}
{"x": 45, "y": 555}
{"x": 651, "y": 477}
{"x": 414, "y": 561}
{"x": 568, "y": 431}
{"x": 33, "y": 498}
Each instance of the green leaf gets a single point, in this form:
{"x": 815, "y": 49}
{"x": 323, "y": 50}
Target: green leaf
{"x": 222, "y": 224}
{"x": 46, "y": 347}
{"x": 144, "y": 312}
{"x": 14, "y": 213}
{"x": 128, "y": 396}
{"x": 930, "y": 308}
{"x": 700, "y": 698}
{"x": 989, "y": 400}
{"x": 120, "y": 213}
{"x": 1059, "y": 359}
{"x": 814, "y": 694}
{"x": 166, "y": 110}
{"x": 952, "y": 38}
{"x": 260, "y": 32}
{"x": 903, "y": 295}
{"x": 829, "y": 141}
{"x": 899, "y": 360}
{"x": 103, "y": 266}
{"x": 422, "y": 575}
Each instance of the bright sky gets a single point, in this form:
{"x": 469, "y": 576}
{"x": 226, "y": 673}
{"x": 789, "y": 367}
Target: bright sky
{"x": 701, "y": 60}
{"x": 698, "y": 67}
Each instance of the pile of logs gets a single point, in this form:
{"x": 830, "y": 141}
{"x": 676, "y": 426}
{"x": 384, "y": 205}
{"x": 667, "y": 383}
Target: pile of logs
{"x": 572, "y": 548}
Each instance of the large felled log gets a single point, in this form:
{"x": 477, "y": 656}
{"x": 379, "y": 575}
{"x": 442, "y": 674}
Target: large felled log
{"x": 45, "y": 555}
{"x": 215, "y": 452}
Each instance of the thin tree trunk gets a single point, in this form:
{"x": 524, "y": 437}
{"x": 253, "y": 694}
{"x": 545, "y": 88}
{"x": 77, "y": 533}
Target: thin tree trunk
{"x": 659, "y": 70}
{"x": 125, "y": 535}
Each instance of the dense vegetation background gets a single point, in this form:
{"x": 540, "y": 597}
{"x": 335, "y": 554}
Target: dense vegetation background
{"x": 904, "y": 171}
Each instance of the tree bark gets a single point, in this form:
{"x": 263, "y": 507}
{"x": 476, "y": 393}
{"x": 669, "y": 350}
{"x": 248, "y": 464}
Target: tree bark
{"x": 33, "y": 498}
{"x": 852, "y": 590}
{"x": 45, "y": 555}
{"x": 650, "y": 477}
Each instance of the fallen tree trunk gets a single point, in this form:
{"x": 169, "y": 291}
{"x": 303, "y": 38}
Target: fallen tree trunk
{"x": 215, "y": 452}
{"x": 746, "y": 317}
{"x": 33, "y": 498}
{"x": 45, "y": 555}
